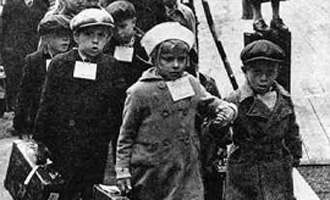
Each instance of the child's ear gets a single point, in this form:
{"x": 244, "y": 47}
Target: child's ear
{"x": 75, "y": 36}
{"x": 134, "y": 21}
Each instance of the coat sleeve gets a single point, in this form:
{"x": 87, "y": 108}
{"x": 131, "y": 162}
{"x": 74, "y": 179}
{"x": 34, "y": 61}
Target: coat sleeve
{"x": 25, "y": 96}
{"x": 293, "y": 139}
{"x": 210, "y": 105}
{"x": 132, "y": 118}
{"x": 48, "y": 102}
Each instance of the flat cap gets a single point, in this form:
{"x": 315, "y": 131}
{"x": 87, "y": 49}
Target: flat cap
{"x": 91, "y": 17}
{"x": 262, "y": 50}
{"x": 51, "y": 23}
{"x": 166, "y": 31}
{"x": 121, "y": 10}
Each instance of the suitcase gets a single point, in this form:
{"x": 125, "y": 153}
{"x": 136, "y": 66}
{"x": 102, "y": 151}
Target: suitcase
{"x": 27, "y": 181}
{"x": 104, "y": 192}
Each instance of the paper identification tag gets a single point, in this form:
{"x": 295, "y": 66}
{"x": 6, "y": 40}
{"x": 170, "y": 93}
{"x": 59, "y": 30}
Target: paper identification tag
{"x": 124, "y": 53}
{"x": 180, "y": 88}
{"x": 85, "y": 70}
{"x": 47, "y": 64}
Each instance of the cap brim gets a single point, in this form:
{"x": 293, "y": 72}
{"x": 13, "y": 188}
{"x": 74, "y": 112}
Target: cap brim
{"x": 263, "y": 58}
{"x": 96, "y": 24}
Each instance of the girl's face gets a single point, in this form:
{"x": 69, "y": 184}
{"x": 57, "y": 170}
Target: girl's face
{"x": 172, "y": 60}
{"x": 261, "y": 75}
{"x": 59, "y": 42}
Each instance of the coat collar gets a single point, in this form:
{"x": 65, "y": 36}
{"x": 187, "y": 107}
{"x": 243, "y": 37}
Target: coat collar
{"x": 73, "y": 55}
{"x": 152, "y": 75}
{"x": 246, "y": 91}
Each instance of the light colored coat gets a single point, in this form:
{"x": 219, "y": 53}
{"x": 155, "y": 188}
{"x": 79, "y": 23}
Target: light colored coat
{"x": 158, "y": 140}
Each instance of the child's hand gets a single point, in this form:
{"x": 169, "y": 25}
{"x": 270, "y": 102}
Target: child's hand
{"x": 224, "y": 115}
{"x": 124, "y": 185}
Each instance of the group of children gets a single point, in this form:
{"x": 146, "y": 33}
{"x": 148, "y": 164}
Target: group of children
{"x": 118, "y": 85}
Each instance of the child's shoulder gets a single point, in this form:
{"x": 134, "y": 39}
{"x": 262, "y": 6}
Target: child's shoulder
{"x": 35, "y": 55}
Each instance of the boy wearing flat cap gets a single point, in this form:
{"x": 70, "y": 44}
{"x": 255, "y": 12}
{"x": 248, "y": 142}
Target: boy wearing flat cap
{"x": 79, "y": 105}
{"x": 266, "y": 139}
{"x": 158, "y": 145}
{"x": 56, "y": 34}
{"x": 125, "y": 46}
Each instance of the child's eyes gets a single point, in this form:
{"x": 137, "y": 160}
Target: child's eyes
{"x": 102, "y": 35}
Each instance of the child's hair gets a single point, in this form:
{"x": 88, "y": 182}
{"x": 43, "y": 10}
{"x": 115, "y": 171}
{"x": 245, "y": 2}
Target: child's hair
{"x": 121, "y": 10}
{"x": 53, "y": 23}
{"x": 262, "y": 50}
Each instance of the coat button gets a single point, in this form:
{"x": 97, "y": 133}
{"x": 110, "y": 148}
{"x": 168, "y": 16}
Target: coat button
{"x": 185, "y": 112}
{"x": 72, "y": 122}
{"x": 183, "y": 131}
{"x": 165, "y": 113}
{"x": 161, "y": 85}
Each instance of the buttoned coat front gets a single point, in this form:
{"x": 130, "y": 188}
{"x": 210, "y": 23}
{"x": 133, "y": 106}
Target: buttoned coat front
{"x": 77, "y": 116}
{"x": 265, "y": 145}
{"x": 158, "y": 140}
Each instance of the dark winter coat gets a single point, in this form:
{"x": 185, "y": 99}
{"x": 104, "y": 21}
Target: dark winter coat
{"x": 158, "y": 140}
{"x": 265, "y": 145}
{"x": 76, "y": 116}
{"x": 149, "y": 12}
{"x": 132, "y": 70}
{"x": 28, "y": 98}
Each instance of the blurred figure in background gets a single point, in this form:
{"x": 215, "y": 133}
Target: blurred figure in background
{"x": 55, "y": 31}
{"x": 259, "y": 23}
{"x": 148, "y": 12}
{"x": 19, "y": 37}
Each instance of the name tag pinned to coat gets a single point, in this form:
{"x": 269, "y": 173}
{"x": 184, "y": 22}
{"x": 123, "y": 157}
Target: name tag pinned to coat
{"x": 85, "y": 70}
{"x": 180, "y": 88}
{"x": 47, "y": 64}
{"x": 124, "y": 54}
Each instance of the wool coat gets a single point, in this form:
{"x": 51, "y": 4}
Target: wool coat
{"x": 158, "y": 141}
{"x": 28, "y": 98}
{"x": 76, "y": 116}
{"x": 265, "y": 145}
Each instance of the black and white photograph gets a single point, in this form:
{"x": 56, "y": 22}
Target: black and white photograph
{"x": 164, "y": 100}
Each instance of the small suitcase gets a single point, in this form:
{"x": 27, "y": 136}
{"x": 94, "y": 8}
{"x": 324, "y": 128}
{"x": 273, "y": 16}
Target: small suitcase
{"x": 27, "y": 181}
{"x": 105, "y": 192}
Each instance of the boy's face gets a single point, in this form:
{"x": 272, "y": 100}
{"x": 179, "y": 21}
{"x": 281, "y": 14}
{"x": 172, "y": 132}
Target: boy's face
{"x": 261, "y": 75}
{"x": 59, "y": 41}
{"x": 91, "y": 40}
{"x": 172, "y": 61}
{"x": 75, "y": 6}
{"x": 125, "y": 30}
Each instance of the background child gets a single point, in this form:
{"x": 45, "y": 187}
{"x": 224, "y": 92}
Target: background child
{"x": 79, "y": 105}
{"x": 125, "y": 45}
{"x": 158, "y": 146}
{"x": 126, "y": 48}
{"x": 266, "y": 136}
{"x": 56, "y": 33}
{"x": 18, "y": 38}
{"x": 259, "y": 23}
